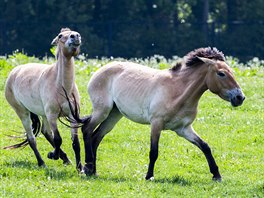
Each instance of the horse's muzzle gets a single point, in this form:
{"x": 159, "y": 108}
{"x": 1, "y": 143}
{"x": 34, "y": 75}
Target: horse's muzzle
{"x": 238, "y": 100}
{"x": 236, "y": 97}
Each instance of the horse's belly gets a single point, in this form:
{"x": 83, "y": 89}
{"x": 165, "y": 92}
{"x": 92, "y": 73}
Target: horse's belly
{"x": 134, "y": 113}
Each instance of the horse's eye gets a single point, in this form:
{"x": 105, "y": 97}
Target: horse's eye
{"x": 221, "y": 74}
{"x": 60, "y": 36}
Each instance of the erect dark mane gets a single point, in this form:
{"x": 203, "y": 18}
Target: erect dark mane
{"x": 208, "y": 52}
{"x": 176, "y": 67}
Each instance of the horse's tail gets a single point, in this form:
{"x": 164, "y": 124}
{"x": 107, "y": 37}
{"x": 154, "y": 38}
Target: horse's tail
{"x": 75, "y": 112}
{"x": 36, "y": 125}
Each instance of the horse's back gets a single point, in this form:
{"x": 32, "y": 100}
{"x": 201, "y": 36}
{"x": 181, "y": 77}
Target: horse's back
{"x": 24, "y": 77}
{"x": 118, "y": 75}
{"x": 126, "y": 69}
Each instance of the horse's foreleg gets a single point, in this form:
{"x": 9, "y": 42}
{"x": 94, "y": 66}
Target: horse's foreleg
{"x": 56, "y": 138}
{"x": 156, "y": 128}
{"x": 189, "y": 134}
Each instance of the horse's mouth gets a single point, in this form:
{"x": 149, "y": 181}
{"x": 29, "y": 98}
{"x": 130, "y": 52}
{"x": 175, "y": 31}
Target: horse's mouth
{"x": 237, "y": 100}
{"x": 75, "y": 45}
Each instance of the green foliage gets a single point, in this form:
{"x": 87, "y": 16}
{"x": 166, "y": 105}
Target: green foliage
{"x": 136, "y": 29}
{"x": 20, "y": 58}
{"x": 234, "y": 134}
{"x": 53, "y": 50}
{"x": 5, "y": 67}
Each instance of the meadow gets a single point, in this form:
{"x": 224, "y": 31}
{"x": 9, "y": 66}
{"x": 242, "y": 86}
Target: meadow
{"x": 235, "y": 135}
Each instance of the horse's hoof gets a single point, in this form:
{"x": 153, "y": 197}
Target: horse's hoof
{"x": 217, "y": 179}
{"x": 79, "y": 168}
{"x": 42, "y": 165}
{"x": 149, "y": 177}
{"x": 89, "y": 170}
{"x": 52, "y": 156}
{"x": 67, "y": 162}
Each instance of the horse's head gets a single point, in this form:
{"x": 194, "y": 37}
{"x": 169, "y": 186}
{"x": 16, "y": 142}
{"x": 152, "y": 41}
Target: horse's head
{"x": 69, "y": 41}
{"x": 220, "y": 80}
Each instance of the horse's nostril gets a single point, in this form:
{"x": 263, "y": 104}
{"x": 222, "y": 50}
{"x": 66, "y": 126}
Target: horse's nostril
{"x": 240, "y": 98}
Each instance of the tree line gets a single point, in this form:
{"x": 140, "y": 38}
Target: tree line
{"x": 136, "y": 28}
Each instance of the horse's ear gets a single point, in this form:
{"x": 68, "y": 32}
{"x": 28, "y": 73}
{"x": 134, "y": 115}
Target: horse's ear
{"x": 55, "y": 41}
{"x": 206, "y": 60}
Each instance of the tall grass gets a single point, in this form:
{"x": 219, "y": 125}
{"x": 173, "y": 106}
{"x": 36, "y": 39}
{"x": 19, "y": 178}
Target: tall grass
{"x": 235, "y": 135}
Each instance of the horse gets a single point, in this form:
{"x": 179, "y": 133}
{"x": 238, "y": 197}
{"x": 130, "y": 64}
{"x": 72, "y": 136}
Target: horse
{"x": 35, "y": 90}
{"x": 164, "y": 99}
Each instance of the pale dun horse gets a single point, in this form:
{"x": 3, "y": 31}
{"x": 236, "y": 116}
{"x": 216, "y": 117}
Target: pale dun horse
{"x": 165, "y": 99}
{"x": 38, "y": 90}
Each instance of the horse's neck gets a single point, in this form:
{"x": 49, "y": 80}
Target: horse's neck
{"x": 193, "y": 87}
{"x": 65, "y": 73}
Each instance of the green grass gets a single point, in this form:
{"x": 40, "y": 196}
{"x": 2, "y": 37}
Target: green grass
{"x": 236, "y": 137}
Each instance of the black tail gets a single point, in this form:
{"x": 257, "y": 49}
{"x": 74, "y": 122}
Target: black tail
{"x": 75, "y": 111}
{"x": 36, "y": 125}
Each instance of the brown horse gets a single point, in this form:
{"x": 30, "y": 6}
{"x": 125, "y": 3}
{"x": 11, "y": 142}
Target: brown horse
{"x": 165, "y": 99}
{"x": 38, "y": 90}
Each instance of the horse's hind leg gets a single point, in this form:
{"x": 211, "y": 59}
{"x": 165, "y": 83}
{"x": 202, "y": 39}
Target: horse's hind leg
{"x": 24, "y": 116}
{"x": 105, "y": 127}
{"x": 76, "y": 147}
{"x": 96, "y": 118}
{"x": 46, "y": 131}
{"x": 26, "y": 121}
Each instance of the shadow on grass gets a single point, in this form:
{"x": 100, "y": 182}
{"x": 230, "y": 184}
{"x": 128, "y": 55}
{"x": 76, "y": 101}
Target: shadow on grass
{"x": 173, "y": 180}
{"x": 62, "y": 174}
{"x": 22, "y": 164}
{"x": 50, "y": 173}
{"x": 53, "y": 174}
{"x": 104, "y": 178}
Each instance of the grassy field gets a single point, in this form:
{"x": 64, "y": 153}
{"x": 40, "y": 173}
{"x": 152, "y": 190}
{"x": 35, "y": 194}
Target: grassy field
{"x": 236, "y": 137}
